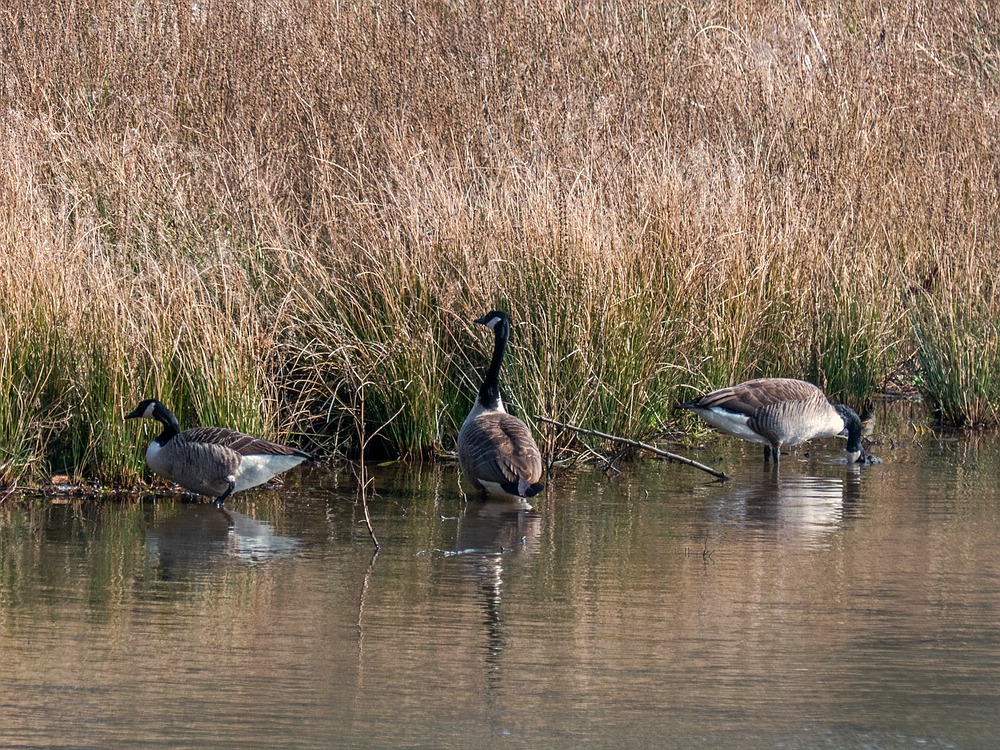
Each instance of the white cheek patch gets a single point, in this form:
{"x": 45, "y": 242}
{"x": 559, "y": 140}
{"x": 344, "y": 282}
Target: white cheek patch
{"x": 148, "y": 414}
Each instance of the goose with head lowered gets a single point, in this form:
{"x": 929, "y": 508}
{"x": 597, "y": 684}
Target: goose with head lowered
{"x": 212, "y": 461}
{"x": 780, "y": 413}
{"x": 496, "y": 451}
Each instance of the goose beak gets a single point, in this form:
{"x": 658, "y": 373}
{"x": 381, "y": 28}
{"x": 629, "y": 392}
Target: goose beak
{"x": 134, "y": 414}
{"x": 482, "y": 321}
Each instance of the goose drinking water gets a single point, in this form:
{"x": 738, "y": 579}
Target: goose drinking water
{"x": 780, "y": 413}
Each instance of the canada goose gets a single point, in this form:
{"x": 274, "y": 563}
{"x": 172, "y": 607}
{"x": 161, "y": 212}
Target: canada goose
{"x": 495, "y": 449}
{"x": 779, "y": 412}
{"x": 212, "y": 461}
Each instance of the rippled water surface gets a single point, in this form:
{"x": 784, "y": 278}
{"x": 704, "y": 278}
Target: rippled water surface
{"x": 825, "y": 606}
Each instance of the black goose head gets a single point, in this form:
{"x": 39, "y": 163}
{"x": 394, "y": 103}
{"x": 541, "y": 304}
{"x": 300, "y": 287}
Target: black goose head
{"x": 496, "y": 320}
{"x": 489, "y": 392}
{"x": 855, "y": 451}
{"x": 150, "y": 408}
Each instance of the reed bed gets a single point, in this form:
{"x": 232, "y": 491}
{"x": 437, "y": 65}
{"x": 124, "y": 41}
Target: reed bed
{"x": 282, "y": 216}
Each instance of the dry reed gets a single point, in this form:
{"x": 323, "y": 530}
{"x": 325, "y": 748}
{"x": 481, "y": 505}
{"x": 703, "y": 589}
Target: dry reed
{"x": 258, "y": 212}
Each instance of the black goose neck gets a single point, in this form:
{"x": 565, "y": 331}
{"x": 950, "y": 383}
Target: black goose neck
{"x": 170, "y": 425}
{"x": 489, "y": 392}
{"x": 853, "y": 424}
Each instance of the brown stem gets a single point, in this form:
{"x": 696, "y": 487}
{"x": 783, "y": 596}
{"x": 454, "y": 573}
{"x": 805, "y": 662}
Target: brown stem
{"x": 672, "y": 457}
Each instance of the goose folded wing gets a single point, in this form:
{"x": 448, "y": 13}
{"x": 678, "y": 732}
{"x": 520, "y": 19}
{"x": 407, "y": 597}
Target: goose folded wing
{"x": 240, "y": 443}
{"x": 747, "y": 398}
{"x": 504, "y": 452}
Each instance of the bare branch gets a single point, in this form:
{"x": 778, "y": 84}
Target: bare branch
{"x": 672, "y": 457}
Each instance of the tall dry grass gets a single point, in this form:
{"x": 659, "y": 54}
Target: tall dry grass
{"x": 283, "y": 215}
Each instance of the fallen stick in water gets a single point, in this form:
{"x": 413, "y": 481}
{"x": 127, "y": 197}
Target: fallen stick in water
{"x": 672, "y": 457}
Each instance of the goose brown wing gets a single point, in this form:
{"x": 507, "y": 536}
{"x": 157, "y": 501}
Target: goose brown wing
{"x": 502, "y": 450}
{"x": 238, "y": 442}
{"x": 747, "y": 398}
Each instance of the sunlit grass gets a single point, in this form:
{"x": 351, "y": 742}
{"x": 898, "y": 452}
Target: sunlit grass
{"x": 290, "y": 233}
{"x": 958, "y": 351}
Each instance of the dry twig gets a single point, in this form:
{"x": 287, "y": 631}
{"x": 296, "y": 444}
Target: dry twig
{"x": 672, "y": 457}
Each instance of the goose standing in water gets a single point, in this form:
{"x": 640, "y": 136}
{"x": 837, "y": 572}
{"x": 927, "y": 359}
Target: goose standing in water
{"x": 496, "y": 451}
{"x": 212, "y": 461}
{"x": 780, "y": 413}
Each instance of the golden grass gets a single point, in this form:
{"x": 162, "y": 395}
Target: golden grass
{"x": 271, "y": 214}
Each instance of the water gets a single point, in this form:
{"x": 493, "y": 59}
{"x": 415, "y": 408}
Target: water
{"x": 828, "y": 606}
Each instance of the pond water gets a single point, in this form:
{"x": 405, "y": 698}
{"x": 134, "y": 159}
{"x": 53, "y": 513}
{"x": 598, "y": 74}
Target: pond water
{"x": 823, "y": 606}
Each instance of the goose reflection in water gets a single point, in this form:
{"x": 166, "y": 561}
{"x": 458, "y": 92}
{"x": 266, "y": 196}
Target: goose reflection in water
{"x": 493, "y": 536}
{"x": 798, "y": 506}
{"x": 200, "y": 535}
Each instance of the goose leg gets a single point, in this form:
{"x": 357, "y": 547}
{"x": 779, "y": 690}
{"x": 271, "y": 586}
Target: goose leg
{"x": 222, "y": 498}
{"x": 767, "y": 454}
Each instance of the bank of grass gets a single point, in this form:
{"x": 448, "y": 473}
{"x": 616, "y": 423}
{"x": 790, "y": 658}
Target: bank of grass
{"x": 283, "y": 216}
{"x": 957, "y": 333}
